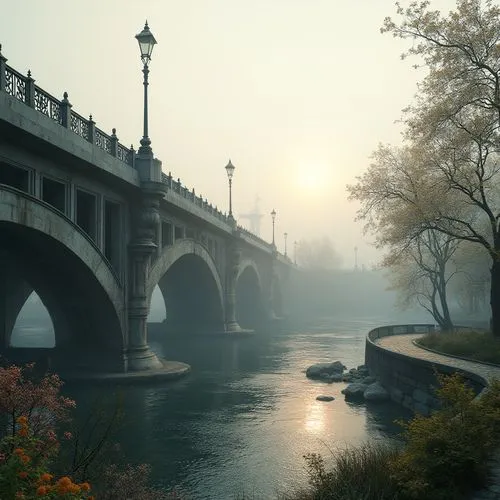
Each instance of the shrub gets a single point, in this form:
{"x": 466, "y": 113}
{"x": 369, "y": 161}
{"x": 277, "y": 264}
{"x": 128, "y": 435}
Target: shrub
{"x": 446, "y": 454}
{"x": 32, "y": 411}
{"x": 24, "y": 462}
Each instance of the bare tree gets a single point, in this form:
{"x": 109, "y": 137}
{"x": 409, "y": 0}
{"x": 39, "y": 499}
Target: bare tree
{"x": 422, "y": 272}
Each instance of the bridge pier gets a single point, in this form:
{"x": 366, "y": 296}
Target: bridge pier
{"x": 138, "y": 355}
{"x": 231, "y": 324}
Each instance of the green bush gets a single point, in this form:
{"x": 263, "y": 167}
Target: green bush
{"x": 446, "y": 454}
{"x": 481, "y": 346}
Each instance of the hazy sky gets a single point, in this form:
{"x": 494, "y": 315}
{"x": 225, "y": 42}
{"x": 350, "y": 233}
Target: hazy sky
{"x": 297, "y": 93}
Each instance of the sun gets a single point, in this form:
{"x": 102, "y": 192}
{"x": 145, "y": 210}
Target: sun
{"x": 312, "y": 179}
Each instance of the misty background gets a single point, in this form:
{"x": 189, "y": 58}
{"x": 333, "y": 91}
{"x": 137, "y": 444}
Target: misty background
{"x": 297, "y": 93}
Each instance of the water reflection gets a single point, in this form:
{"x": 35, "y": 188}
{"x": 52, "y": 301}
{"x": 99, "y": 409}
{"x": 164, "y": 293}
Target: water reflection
{"x": 315, "y": 418}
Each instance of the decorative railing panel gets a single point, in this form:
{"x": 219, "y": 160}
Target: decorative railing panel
{"x": 103, "y": 140}
{"x": 47, "y": 104}
{"x": 15, "y": 84}
{"x": 124, "y": 154}
{"x": 79, "y": 125}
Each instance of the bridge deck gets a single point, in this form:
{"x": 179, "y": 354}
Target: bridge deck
{"x": 403, "y": 344}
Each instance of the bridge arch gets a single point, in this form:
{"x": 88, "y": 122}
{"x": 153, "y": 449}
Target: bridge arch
{"x": 249, "y": 295}
{"x": 43, "y": 248}
{"x": 191, "y": 286}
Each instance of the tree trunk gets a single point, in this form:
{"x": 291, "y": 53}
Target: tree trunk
{"x": 447, "y": 323}
{"x": 495, "y": 297}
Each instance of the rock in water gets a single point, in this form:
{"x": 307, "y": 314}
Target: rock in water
{"x": 325, "y": 398}
{"x": 354, "y": 391}
{"x": 319, "y": 370}
{"x": 375, "y": 392}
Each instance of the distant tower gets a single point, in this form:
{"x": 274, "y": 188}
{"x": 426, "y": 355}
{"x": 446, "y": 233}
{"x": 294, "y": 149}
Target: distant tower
{"x": 254, "y": 217}
{"x": 355, "y": 258}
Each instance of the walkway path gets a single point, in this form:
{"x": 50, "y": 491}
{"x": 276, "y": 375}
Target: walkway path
{"x": 404, "y": 345}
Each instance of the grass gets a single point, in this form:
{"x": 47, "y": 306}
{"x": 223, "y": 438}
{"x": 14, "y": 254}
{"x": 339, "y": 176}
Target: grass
{"x": 359, "y": 473}
{"x": 480, "y": 346}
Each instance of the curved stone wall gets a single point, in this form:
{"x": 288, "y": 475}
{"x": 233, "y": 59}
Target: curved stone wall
{"x": 410, "y": 381}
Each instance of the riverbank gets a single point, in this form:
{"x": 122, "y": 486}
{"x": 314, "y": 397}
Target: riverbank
{"x": 407, "y": 347}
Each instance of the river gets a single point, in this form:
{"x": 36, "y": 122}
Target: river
{"x": 241, "y": 422}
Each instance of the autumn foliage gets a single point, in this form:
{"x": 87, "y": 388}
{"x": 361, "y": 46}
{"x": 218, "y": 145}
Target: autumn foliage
{"x": 33, "y": 416}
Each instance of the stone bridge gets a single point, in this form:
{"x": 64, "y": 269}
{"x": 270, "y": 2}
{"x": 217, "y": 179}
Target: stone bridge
{"x": 93, "y": 227}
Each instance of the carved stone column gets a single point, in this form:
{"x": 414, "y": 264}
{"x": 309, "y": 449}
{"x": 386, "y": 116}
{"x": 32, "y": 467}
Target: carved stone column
{"x": 138, "y": 354}
{"x": 232, "y": 268}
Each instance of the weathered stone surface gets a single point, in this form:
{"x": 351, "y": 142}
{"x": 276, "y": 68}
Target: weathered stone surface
{"x": 396, "y": 395}
{"x": 376, "y": 392}
{"x": 363, "y": 370}
{"x": 325, "y": 398}
{"x": 318, "y": 370}
{"x": 336, "y": 377}
{"x": 369, "y": 380}
{"x": 354, "y": 391}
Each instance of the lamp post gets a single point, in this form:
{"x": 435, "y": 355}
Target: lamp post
{"x": 295, "y": 252}
{"x": 285, "y": 235}
{"x": 146, "y": 43}
{"x": 273, "y": 216}
{"x": 230, "y": 171}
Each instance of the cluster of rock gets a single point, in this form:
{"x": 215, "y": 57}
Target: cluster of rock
{"x": 362, "y": 386}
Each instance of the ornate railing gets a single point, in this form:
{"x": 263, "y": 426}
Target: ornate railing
{"x": 254, "y": 236}
{"x": 23, "y": 88}
{"x": 190, "y": 195}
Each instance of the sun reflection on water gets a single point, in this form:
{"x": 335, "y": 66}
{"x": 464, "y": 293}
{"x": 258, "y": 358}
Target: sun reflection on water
{"x": 315, "y": 418}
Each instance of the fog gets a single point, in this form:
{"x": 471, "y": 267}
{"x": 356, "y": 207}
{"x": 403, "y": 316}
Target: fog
{"x": 296, "y": 92}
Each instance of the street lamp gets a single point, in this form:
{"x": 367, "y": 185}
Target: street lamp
{"x": 273, "y": 216}
{"x": 285, "y": 236}
{"x": 146, "y": 43}
{"x": 230, "y": 171}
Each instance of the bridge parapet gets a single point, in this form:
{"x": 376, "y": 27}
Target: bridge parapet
{"x": 23, "y": 89}
{"x": 255, "y": 240}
